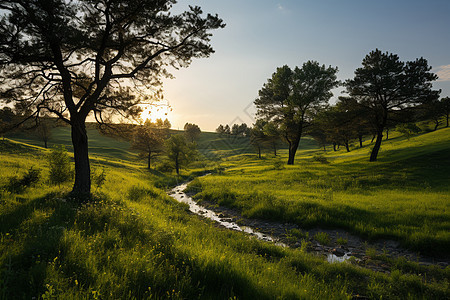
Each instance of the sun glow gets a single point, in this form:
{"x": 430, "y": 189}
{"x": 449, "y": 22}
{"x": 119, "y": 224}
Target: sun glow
{"x": 156, "y": 111}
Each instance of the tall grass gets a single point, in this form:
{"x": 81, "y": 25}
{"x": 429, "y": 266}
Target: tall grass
{"x": 135, "y": 242}
{"x": 404, "y": 196}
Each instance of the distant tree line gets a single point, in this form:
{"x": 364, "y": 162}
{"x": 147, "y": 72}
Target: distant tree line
{"x": 238, "y": 130}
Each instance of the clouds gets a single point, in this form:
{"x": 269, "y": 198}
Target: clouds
{"x": 443, "y": 73}
{"x": 282, "y": 8}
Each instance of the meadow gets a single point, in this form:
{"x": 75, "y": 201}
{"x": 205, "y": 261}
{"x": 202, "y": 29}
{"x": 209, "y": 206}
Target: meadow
{"x": 404, "y": 196}
{"x": 135, "y": 242}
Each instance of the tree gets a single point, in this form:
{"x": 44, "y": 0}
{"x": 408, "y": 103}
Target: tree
{"x": 227, "y": 129}
{"x": 434, "y": 111}
{"x": 272, "y": 136}
{"x": 148, "y": 139}
{"x": 241, "y": 130}
{"x": 7, "y": 117}
{"x": 44, "y": 129}
{"x": 408, "y": 129}
{"x": 446, "y": 107}
{"x": 384, "y": 85}
{"x": 257, "y": 136}
{"x": 291, "y": 98}
{"x": 80, "y": 58}
{"x": 220, "y": 129}
{"x": 179, "y": 151}
{"x": 191, "y": 132}
{"x": 235, "y": 129}
{"x": 60, "y": 169}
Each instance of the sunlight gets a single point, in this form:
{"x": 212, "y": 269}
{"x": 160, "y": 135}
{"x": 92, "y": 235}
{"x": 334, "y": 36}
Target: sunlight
{"x": 154, "y": 111}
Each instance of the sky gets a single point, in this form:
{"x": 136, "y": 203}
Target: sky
{"x": 262, "y": 35}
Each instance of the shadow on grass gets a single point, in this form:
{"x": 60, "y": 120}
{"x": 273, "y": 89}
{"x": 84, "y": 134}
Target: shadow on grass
{"x": 35, "y": 229}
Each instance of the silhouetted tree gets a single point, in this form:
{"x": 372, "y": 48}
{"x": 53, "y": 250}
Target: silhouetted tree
{"x": 44, "y": 129}
{"x": 148, "y": 139}
{"x": 257, "y": 136}
{"x": 227, "y": 129}
{"x": 191, "y": 132}
{"x": 446, "y": 107}
{"x": 220, "y": 130}
{"x": 272, "y": 136}
{"x": 7, "y": 117}
{"x": 434, "y": 111}
{"x": 80, "y": 58}
{"x": 240, "y": 130}
{"x": 318, "y": 133}
{"x": 408, "y": 129}
{"x": 167, "y": 124}
{"x": 385, "y": 84}
{"x": 291, "y": 97}
{"x": 179, "y": 151}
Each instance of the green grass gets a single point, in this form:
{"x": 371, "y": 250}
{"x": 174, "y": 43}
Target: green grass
{"x": 404, "y": 196}
{"x": 99, "y": 145}
{"x": 134, "y": 242}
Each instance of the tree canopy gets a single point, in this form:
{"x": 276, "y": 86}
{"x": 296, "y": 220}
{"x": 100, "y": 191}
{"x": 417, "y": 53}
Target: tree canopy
{"x": 291, "y": 97}
{"x": 179, "y": 152}
{"x": 385, "y": 85}
{"x": 191, "y": 132}
{"x": 148, "y": 139}
{"x": 76, "y": 58}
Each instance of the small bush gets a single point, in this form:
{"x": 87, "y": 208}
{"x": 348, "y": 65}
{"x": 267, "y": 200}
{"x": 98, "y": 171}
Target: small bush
{"x": 278, "y": 164}
{"x": 165, "y": 167}
{"x": 342, "y": 241}
{"x": 60, "y": 169}
{"x": 320, "y": 158}
{"x": 323, "y": 238}
{"x": 98, "y": 179}
{"x": 17, "y": 185}
{"x": 298, "y": 233}
{"x": 408, "y": 129}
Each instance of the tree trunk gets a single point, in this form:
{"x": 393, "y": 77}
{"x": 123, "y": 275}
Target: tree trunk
{"x": 275, "y": 149}
{"x": 346, "y": 146}
{"x": 259, "y": 152}
{"x": 376, "y": 147}
{"x": 387, "y": 134}
{"x": 448, "y": 116}
{"x": 436, "y": 122}
{"x": 334, "y": 147}
{"x": 45, "y": 144}
{"x": 360, "y": 141}
{"x": 292, "y": 150}
{"x": 373, "y": 137}
{"x": 177, "y": 165}
{"x": 149, "y": 160}
{"x": 82, "y": 186}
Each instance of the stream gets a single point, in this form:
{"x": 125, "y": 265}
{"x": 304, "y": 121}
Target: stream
{"x": 355, "y": 249}
{"x": 178, "y": 194}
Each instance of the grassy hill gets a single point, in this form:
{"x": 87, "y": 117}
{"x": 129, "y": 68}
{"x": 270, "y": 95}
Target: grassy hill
{"x": 210, "y": 144}
{"x": 404, "y": 196}
{"x": 99, "y": 145}
{"x": 135, "y": 242}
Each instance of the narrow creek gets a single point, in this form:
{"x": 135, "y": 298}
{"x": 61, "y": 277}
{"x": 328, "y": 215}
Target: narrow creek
{"x": 355, "y": 249}
{"x": 178, "y": 194}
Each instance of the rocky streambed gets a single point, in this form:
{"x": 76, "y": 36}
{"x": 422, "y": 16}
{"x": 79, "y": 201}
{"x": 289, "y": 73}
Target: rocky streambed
{"x": 334, "y": 244}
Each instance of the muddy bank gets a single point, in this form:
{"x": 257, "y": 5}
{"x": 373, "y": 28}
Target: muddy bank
{"x": 336, "y": 245}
